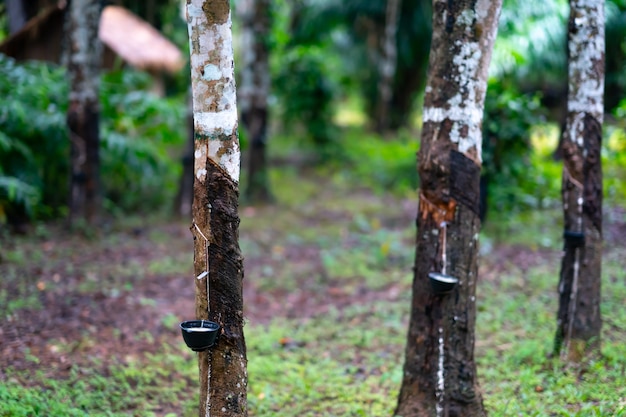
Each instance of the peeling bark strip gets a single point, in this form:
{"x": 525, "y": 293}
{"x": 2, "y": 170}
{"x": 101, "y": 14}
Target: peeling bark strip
{"x": 83, "y": 111}
{"x": 578, "y": 319}
{"x": 439, "y": 370}
{"x": 219, "y": 294}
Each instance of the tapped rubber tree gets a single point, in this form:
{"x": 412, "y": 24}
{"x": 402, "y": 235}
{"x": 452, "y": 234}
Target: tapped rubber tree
{"x": 217, "y": 258}
{"x": 439, "y": 376}
{"x": 83, "y": 112}
{"x": 578, "y": 321}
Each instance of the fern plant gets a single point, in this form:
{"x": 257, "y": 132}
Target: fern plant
{"x": 139, "y": 132}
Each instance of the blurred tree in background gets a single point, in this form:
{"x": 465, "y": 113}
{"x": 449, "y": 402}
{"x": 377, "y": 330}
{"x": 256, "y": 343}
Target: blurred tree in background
{"x": 138, "y": 132}
{"x": 355, "y": 31}
{"x": 83, "y": 114}
{"x": 325, "y": 60}
{"x": 253, "y": 91}
{"x": 579, "y": 321}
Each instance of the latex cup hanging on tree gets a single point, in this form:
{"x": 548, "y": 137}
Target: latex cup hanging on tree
{"x": 440, "y": 282}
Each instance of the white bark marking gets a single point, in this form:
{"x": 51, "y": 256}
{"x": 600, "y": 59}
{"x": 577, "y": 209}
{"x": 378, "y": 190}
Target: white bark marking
{"x": 221, "y": 123}
{"x": 440, "y": 376}
{"x": 470, "y": 105}
{"x": 229, "y": 156}
{"x": 211, "y": 39}
{"x": 465, "y": 109}
{"x": 214, "y": 91}
{"x": 208, "y": 392}
{"x": 470, "y": 62}
{"x": 84, "y": 15}
{"x": 200, "y": 158}
{"x": 586, "y": 50}
{"x": 211, "y": 73}
{"x": 465, "y": 114}
{"x": 201, "y": 174}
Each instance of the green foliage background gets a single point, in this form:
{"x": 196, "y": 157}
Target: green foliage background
{"x": 139, "y": 134}
{"x": 323, "y": 73}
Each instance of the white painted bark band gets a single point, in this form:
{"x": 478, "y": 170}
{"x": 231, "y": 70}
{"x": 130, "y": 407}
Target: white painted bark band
{"x": 220, "y": 123}
{"x": 461, "y": 117}
{"x": 467, "y": 115}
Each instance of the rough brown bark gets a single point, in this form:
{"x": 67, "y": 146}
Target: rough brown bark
{"x": 218, "y": 263}
{"x": 83, "y": 112}
{"x": 253, "y": 93}
{"x": 578, "y": 319}
{"x": 223, "y": 378}
{"x": 439, "y": 371}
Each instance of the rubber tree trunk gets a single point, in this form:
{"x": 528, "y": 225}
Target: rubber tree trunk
{"x": 579, "y": 321}
{"x": 83, "y": 112}
{"x": 219, "y": 298}
{"x": 439, "y": 371}
{"x": 255, "y": 16}
{"x": 387, "y": 67}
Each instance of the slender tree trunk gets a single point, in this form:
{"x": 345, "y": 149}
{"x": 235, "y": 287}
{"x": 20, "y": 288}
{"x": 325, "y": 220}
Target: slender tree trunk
{"x": 387, "y": 68}
{"x": 83, "y": 112}
{"x": 217, "y": 257}
{"x": 579, "y": 321}
{"x": 439, "y": 371}
{"x": 16, "y": 15}
{"x": 184, "y": 197}
{"x": 253, "y": 92}
{"x": 410, "y": 73}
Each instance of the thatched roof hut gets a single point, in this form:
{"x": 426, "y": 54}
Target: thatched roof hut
{"x": 39, "y": 39}
{"x": 123, "y": 34}
{"x": 137, "y": 42}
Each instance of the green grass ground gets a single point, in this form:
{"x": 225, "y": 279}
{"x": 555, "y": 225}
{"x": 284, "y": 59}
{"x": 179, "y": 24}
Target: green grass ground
{"x": 328, "y": 276}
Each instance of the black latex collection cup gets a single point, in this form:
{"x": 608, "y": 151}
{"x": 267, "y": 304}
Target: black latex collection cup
{"x": 199, "y": 335}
